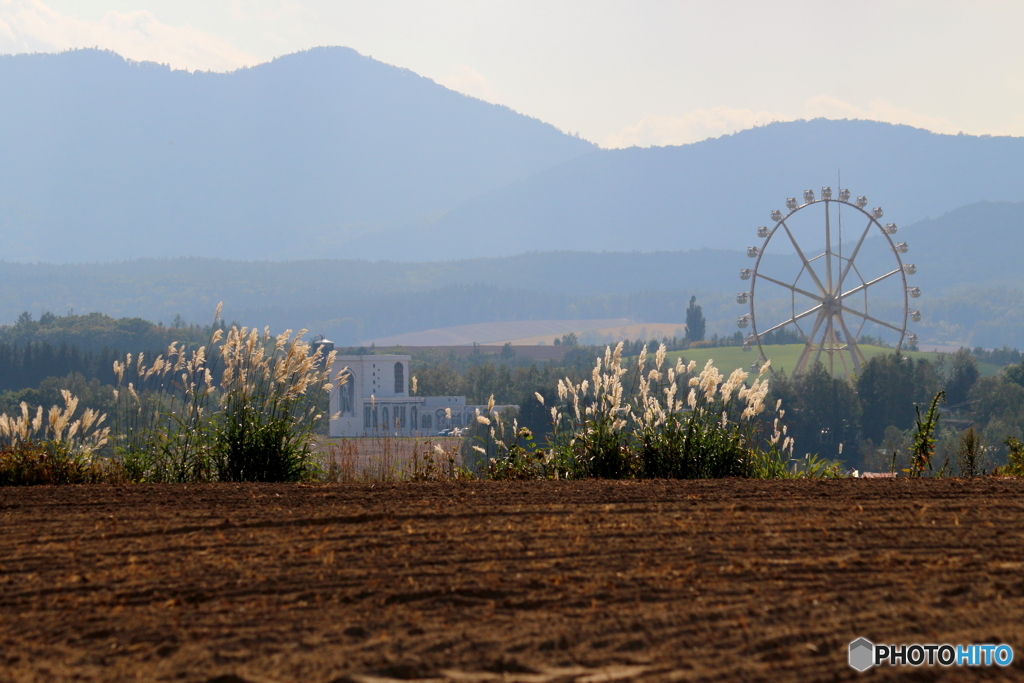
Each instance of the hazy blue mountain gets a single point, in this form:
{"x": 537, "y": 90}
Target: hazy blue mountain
{"x": 329, "y": 154}
{"x": 977, "y": 245}
{"x": 715, "y": 193}
{"x": 103, "y": 158}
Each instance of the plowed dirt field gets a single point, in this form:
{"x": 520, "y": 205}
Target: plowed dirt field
{"x": 535, "y": 582}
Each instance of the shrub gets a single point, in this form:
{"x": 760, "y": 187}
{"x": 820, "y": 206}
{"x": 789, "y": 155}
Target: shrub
{"x": 922, "y": 450}
{"x": 970, "y": 452}
{"x": 52, "y": 447}
{"x": 175, "y": 423}
{"x": 161, "y": 415}
{"x": 1015, "y": 464}
{"x": 263, "y": 430}
{"x": 602, "y": 430}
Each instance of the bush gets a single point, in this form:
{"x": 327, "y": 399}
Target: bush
{"x": 1015, "y": 464}
{"x": 174, "y": 423}
{"x": 922, "y": 451}
{"x": 52, "y": 448}
{"x": 602, "y": 429}
{"x": 264, "y": 428}
{"x": 970, "y": 453}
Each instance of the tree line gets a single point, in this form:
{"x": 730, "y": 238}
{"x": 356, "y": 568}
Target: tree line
{"x": 870, "y": 416}
{"x": 859, "y": 422}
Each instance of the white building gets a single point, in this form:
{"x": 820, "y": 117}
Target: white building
{"x": 375, "y": 399}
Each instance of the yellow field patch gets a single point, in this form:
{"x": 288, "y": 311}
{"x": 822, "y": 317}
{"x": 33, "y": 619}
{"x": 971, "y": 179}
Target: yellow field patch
{"x": 628, "y": 330}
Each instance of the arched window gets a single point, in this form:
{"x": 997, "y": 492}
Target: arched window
{"x": 414, "y": 417}
{"x": 347, "y": 394}
{"x": 386, "y": 417}
{"x": 399, "y": 378}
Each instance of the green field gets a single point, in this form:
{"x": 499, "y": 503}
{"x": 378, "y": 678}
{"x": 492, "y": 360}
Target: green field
{"x": 785, "y": 356}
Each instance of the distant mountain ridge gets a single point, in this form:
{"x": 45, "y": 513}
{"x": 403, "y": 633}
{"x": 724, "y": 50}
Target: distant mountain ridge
{"x": 102, "y": 158}
{"x": 330, "y": 154}
{"x": 713, "y": 194}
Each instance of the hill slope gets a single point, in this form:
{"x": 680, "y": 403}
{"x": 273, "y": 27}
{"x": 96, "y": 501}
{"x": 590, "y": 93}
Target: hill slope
{"x": 975, "y": 245}
{"x": 103, "y": 158}
{"x": 715, "y": 193}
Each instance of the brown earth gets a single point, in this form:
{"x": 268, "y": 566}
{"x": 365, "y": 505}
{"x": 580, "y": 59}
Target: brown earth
{"x": 540, "y": 581}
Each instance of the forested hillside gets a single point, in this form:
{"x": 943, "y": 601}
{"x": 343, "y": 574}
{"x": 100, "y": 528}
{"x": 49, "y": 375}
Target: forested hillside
{"x": 33, "y": 349}
{"x": 973, "y": 292}
{"x": 354, "y": 300}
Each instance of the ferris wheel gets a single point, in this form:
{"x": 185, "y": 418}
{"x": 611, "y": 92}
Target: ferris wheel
{"x": 834, "y": 300}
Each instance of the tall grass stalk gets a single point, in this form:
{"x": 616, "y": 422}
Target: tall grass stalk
{"x": 923, "y": 449}
{"x": 175, "y": 423}
{"x": 602, "y": 429}
{"x": 389, "y": 459}
{"x": 264, "y": 426}
{"x": 52, "y": 447}
{"x": 970, "y": 453}
{"x": 161, "y": 413}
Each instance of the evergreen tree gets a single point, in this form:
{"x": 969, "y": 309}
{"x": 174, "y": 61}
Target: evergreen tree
{"x": 695, "y": 323}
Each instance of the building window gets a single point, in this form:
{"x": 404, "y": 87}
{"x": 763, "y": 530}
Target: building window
{"x": 399, "y": 378}
{"x": 387, "y": 417}
{"x": 375, "y": 417}
{"x": 367, "y": 420}
{"x": 414, "y": 417}
{"x": 347, "y": 394}
{"x": 400, "y": 417}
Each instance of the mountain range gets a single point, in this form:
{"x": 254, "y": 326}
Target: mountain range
{"x": 331, "y": 154}
{"x": 330, "y": 191}
{"x": 102, "y": 158}
{"x": 713, "y": 194}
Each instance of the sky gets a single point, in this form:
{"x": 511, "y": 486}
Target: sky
{"x": 618, "y": 73}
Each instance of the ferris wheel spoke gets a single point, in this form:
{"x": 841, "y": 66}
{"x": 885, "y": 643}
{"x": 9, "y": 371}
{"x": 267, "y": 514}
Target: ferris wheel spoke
{"x": 793, "y": 288}
{"x": 828, "y": 250}
{"x": 835, "y": 349}
{"x": 842, "y": 356}
{"x": 807, "y": 264}
{"x": 868, "y": 284}
{"x": 849, "y": 261}
{"x": 825, "y": 337}
{"x": 792, "y": 320}
{"x": 872, "y": 319}
{"x": 809, "y": 344}
{"x": 851, "y": 342}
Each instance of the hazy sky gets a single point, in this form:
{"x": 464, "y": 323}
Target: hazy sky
{"x": 619, "y": 73}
